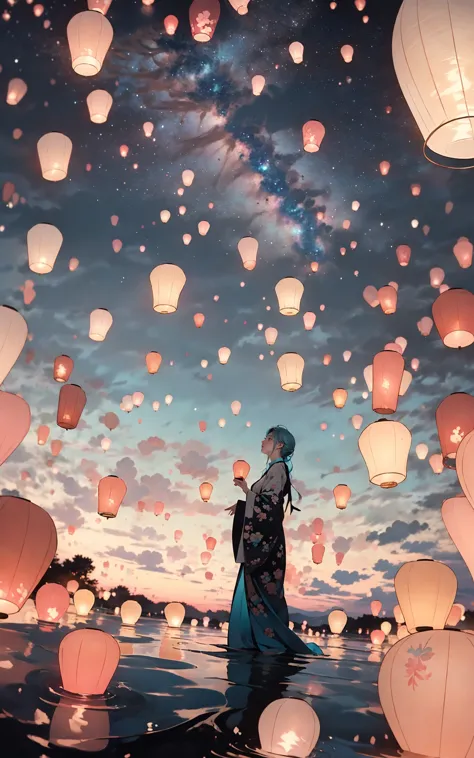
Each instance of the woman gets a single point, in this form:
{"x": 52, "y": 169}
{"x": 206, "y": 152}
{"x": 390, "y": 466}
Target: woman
{"x": 259, "y": 615}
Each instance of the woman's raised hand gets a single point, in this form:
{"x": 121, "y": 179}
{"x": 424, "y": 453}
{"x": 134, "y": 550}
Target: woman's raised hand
{"x": 242, "y": 484}
{"x": 231, "y": 510}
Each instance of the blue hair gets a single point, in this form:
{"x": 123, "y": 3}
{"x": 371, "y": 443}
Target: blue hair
{"x": 281, "y": 434}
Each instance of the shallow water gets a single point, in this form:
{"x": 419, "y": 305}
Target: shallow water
{"x": 183, "y": 690}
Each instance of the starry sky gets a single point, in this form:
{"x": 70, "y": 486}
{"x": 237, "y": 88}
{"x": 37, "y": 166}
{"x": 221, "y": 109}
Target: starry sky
{"x": 249, "y": 164}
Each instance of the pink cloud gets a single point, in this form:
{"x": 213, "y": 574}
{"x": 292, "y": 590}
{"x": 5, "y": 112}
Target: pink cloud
{"x": 147, "y": 447}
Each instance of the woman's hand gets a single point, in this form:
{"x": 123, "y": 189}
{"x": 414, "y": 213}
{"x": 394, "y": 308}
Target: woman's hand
{"x": 231, "y": 510}
{"x": 242, "y": 484}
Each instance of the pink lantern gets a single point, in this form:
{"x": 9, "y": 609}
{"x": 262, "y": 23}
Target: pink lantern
{"x": 52, "y": 602}
{"x": 387, "y": 375}
{"x": 72, "y": 400}
{"x": 29, "y": 542}
{"x": 309, "y": 320}
{"x": 387, "y": 297}
{"x": 211, "y": 542}
{"x": 111, "y": 492}
{"x": 458, "y": 517}
{"x": 313, "y": 135}
{"x": 317, "y": 553}
{"x": 463, "y": 251}
{"x": 339, "y": 558}
{"x": 436, "y": 277}
{"x": 425, "y": 326}
{"x": 375, "y": 607}
{"x": 341, "y": 494}
{"x": 453, "y": 314}
{"x": 203, "y": 17}
{"x": 62, "y": 368}
{"x": 15, "y": 420}
{"x": 454, "y": 419}
{"x": 205, "y": 558}
{"x": 171, "y": 24}
{"x": 403, "y": 255}
{"x": 88, "y": 659}
{"x": 72, "y": 586}
{"x": 465, "y": 467}
{"x": 317, "y": 526}
{"x": 371, "y": 296}
{"x": 384, "y": 167}
{"x": 377, "y": 637}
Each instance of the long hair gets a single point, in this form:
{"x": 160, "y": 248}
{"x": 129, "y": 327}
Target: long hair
{"x": 283, "y": 435}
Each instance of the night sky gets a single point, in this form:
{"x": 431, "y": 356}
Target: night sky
{"x": 248, "y": 159}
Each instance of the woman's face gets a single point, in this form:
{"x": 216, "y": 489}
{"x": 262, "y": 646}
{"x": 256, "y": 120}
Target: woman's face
{"x": 268, "y": 444}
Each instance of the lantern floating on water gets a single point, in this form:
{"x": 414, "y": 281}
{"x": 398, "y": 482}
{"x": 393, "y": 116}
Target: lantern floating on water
{"x": 171, "y": 24}
{"x": 385, "y": 445}
{"x": 174, "y": 614}
{"x": 258, "y": 84}
{"x": 167, "y": 282}
{"x": 130, "y": 611}
{"x": 339, "y": 397}
{"x": 296, "y": 50}
{"x": 88, "y": 659}
{"x": 377, "y": 637}
{"x": 289, "y": 292}
{"x": 54, "y": 153}
{"x": 241, "y": 469}
{"x": 453, "y": 314}
{"x": 17, "y": 90}
{"x": 72, "y": 401}
{"x": 288, "y": 726}
{"x": 341, "y": 494}
{"x": 291, "y": 367}
{"x": 99, "y": 102}
{"x": 387, "y": 374}
{"x": 111, "y": 492}
{"x": 153, "y": 362}
{"x": 387, "y": 297}
{"x": 248, "y": 249}
{"x": 89, "y": 36}
{"x": 52, "y": 602}
{"x": 454, "y": 420}
{"x": 347, "y": 52}
{"x": 100, "y": 322}
{"x": 205, "y": 490}
{"x": 83, "y": 602}
{"x": 375, "y": 607}
{"x": 29, "y": 544}
{"x": 313, "y": 135}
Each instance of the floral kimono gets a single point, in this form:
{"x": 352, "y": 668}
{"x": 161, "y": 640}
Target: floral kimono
{"x": 259, "y": 615}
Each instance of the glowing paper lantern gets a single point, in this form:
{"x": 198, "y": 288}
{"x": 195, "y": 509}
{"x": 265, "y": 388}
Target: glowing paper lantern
{"x": 99, "y": 5}
{"x": 52, "y": 602}
{"x": 73, "y": 264}
{"x": 224, "y": 355}
{"x": 421, "y": 451}
{"x": 137, "y": 399}
{"x": 241, "y": 469}
{"x": 105, "y": 444}
{"x": 288, "y": 727}
{"x": 387, "y": 374}
{"x": 463, "y": 251}
{"x": 171, "y": 24}
{"x": 425, "y": 592}
{"x": 174, "y": 614}
{"x": 56, "y": 447}
{"x": 89, "y": 35}
{"x": 111, "y": 492}
{"x": 317, "y": 553}
{"x": 100, "y": 322}
{"x": 453, "y": 314}
{"x": 337, "y": 620}
{"x": 425, "y": 326}
{"x": 148, "y": 128}
{"x": 296, "y": 50}
{"x": 72, "y": 400}
{"x": 99, "y": 102}
{"x": 88, "y": 659}
{"x": 377, "y": 637}
{"x": 83, "y": 602}
{"x": 436, "y": 463}
{"x": 235, "y": 407}
{"x": 375, "y": 607}
{"x": 203, "y": 18}
{"x": 17, "y": 90}
{"x": 54, "y": 152}
{"x": 371, "y": 296}
{"x": 455, "y": 614}
{"x": 203, "y": 228}
{"x": 341, "y": 494}
{"x": 62, "y": 368}
{"x": 289, "y": 292}
{"x": 309, "y": 320}
{"x": 241, "y": 6}
{"x": 385, "y": 445}
{"x": 199, "y": 319}
{"x": 168, "y": 399}
{"x": 384, "y": 167}
{"x": 458, "y": 517}
{"x": 454, "y": 420}
{"x": 291, "y": 367}
{"x": 43, "y": 434}
{"x": 347, "y": 52}
{"x": 111, "y": 421}
{"x": 313, "y": 135}
{"x": 464, "y": 466}
{"x": 44, "y": 243}
{"x": 258, "y": 84}
{"x": 431, "y": 47}
{"x": 130, "y": 612}
{"x": 29, "y": 543}
{"x": 205, "y": 490}
{"x": 248, "y": 249}
{"x": 153, "y": 362}
{"x": 399, "y": 617}
{"x": 403, "y": 255}
{"x": 167, "y": 282}
{"x": 436, "y": 277}
{"x": 339, "y": 397}
{"x": 271, "y": 335}
{"x": 357, "y": 421}
{"x": 387, "y": 297}
{"x": 15, "y": 420}
{"x": 72, "y": 586}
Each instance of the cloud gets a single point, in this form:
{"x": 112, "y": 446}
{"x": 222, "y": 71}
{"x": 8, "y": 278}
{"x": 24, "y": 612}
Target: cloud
{"x": 197, "y": 466}
{"x": 389, "y": 569}
{"x": 152, "y": 444}
{"x": 397, "y": 532}
{"x": 342, "y": 544}
{"x": 175, "y": 553}
{"x": 348, "y": 577}
{"x": 424, "y": 547}
{"x": 150, "y": 560}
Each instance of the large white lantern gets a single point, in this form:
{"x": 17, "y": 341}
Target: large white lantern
{"x": 288, "y": 727}
{"x": 425, "y": 591}
{"x": 385, "y": 445}
{"x": 174, "y": 614}
{"x": 89, "y": 35}
{"x": 337, "y": 620}
{"x": 433, "y": 57}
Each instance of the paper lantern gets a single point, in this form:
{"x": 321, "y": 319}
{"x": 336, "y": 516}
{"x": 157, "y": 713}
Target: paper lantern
{"x": 431, "y": 47}
{"x": 171, "y": 24}
{"x": 341, "y": 494}
{"x": 83, "y": 602}
{"x": 377, "y": 637}
{"x": 357, "y": 421}
{"x": 458, "y": 517}
{"x": 453, "y": 314}
{"x": 399, "y": 617}
{"x": 44, "y": 243}
{"x": 421, "y": 451}
{"x": 130, "y": 612}
{"x": 258, "y": 84}
{"x": 385, "y": 445}
{"x": 248, "y": 249}
{"x": 42, "y": 434}
{"x": 52, "y": 602}
{"x": 241, "y": 469}
{"x": 224, "y": 355}
{"x": 137, "y": 399}
{"x": 88, "y": 659}
{"x": 406, "y": 381}
{"x": 235, "y": 407}
{"x": 167, "y": 282}
{"x": 403, "y": 255}
{"x": 100, "y": 322}
{"x": 291, "y": 367}
{"x": 56, "y": 447}
{"x": 153, "y": 362}
{"x": 313, "y": 135}
{"x": 436, "y": 277}
{"x": 337, "y": 620}
{"x": 425, "y": 326}
{"x": 309, "y": 320}
{"x": 72, "y": 400}
{"x": 174, "y": 614}
{"x": 296, "y": 50}
{"x": 89, "y": 35}
{"x": 425, "y": 689}
{"x": 455, "y": 614}
{"x": 148, "y": 128}
{"x": 347, "y": 52}
{"x": 241, "y": 6}
{"x": 72, "y": 586}
{"x": 99, "y": 5}
{"x": 99, "y": 102}
{"x": 339, "y": 397}
{"x": 384, "y": 167}
{"x": 371, "y": 296}
{"x": 105, "y": 444}
{"x": 387, "y": 374}
{"x": 29, "y": 543}
{"x": 436, "y": 463}
{"x": 375, "y": 607}
{"x": 168, "y": 399}
{"x": 15, "y": 420}
{"x": 111, "y": 492}
{"x": 464, "y": 466}
{"x": 203, "y": 228}
{"x": 454, "y": 420}
{"x": 387, "y": 297}
{"x": 463, "y": 250}
{"x": 62, "y": 368}
{"x": 425, "y": 592}
{"x": 203, "y": 18}
{"x": 199, "y": 319}
{"x": 17, "y": 90}
{"x": 211, "y": 542}
{"x": 289, "y": 292}
{"x": 290, "y": 727}
{"x": 205, "y": 490}
{"x": 317, "y": 553}
{"x": 54, "y": 153}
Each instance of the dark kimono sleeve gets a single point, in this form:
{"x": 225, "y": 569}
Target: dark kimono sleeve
{"x": 264, "y": 517}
